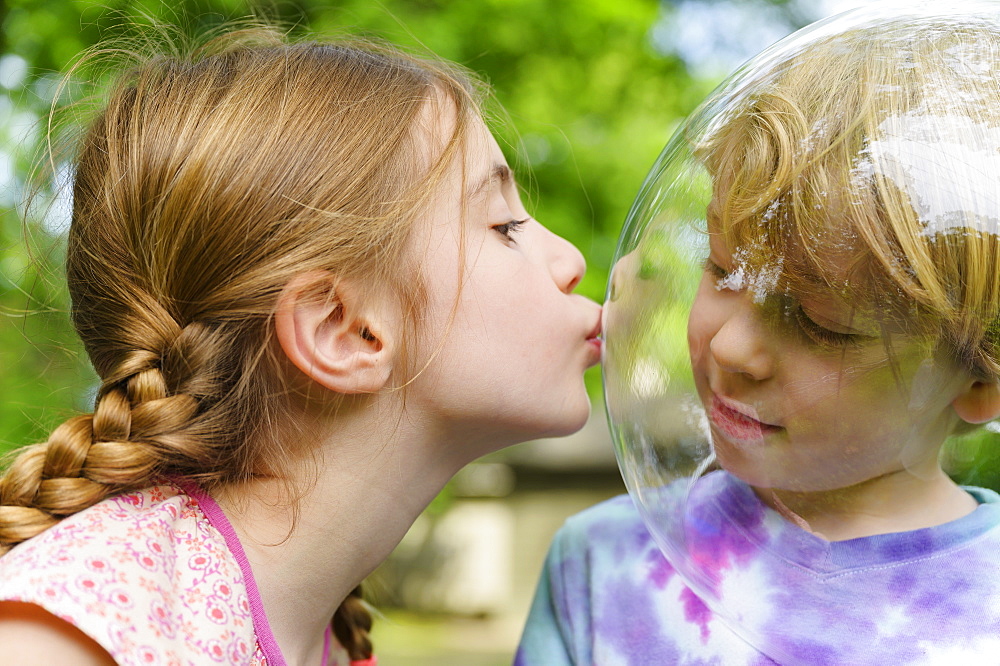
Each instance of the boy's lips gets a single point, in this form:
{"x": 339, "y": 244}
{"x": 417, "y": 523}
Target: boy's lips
{"x": 737, "y": 421}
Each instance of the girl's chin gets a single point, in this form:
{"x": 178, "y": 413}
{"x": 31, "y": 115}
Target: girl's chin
{"x": 572, "y": 422}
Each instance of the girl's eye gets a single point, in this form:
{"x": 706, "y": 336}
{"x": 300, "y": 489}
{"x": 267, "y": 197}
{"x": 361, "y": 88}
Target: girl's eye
{"x": 508, "y": 229}
{"x": 822, "y": 335}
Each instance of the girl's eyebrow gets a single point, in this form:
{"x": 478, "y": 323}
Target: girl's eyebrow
{"x": 499, "y": 171}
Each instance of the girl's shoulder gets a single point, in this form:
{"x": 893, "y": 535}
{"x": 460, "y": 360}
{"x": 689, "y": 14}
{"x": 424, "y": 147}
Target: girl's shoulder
{"x": 153, "y": 519}
{"x": 146, "y": 529}
{"x": 144, "y": 573}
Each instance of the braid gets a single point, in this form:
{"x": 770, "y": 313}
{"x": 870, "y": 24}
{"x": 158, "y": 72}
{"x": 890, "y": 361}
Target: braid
{"x": 351, "y": 624}
{"x": 141, "y": 428}
{"x": 76, "y": 468}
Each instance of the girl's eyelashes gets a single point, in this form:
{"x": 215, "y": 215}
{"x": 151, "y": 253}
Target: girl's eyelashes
{"x": 822, "y": 335}
{"x": 508, "y": 229}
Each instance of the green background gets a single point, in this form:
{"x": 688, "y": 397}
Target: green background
{"x": 593, "y": 89}
{"x": 590, "y": 101}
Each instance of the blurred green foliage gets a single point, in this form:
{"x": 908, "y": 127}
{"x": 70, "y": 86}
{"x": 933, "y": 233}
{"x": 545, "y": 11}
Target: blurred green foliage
{"x": 589, "y": 98}
{"x": 591, "y": 93}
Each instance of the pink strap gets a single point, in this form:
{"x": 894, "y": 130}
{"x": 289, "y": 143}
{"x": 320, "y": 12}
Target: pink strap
{"x": 262, "y": 627}
{"x": 327, "y": 639}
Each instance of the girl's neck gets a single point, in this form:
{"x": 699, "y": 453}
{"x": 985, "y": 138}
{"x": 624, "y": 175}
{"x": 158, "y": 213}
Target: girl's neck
{"x": 357, "y": 496}
{"x": 896, "y": 502}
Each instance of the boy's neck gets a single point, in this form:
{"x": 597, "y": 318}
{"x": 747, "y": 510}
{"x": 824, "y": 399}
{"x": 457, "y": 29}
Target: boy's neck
{"x": 896, "y": 502}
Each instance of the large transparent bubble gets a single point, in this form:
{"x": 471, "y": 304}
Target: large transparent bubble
{"x": 804, "y": 307}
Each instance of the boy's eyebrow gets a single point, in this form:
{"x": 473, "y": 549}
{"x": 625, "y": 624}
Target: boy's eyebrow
{"x": 499, "y": 172}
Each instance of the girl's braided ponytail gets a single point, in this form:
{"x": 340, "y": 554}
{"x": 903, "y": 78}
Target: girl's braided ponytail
{"x": 208, "y": 182}
{"x": 144, "y": 424}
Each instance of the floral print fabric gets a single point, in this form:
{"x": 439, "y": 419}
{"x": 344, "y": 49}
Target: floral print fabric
{"x": 147, "y": 576}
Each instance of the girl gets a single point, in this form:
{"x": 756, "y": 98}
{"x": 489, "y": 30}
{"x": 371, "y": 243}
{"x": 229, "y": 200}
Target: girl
{"x": 843, "y": 323}
{"x": 311, "y": 292}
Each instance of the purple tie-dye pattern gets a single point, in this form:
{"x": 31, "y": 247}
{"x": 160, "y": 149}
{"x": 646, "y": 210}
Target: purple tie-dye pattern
{"x": 695, "y": 611}
{"x": 736, "y": 533}
{"x": 714, "y": 541}
{"x": 900, "y": 583}
{"x": 831, "y": 590}
{"x": 628, "y": 624}
{"x": 660, "y": 571}
{"x": 924, "y": 597}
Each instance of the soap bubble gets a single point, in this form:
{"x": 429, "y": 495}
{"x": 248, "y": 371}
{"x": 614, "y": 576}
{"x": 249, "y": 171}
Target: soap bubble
{"x": 806, "y": 287}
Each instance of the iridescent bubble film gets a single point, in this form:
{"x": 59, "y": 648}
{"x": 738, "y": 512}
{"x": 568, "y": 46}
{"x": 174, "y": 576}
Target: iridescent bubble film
{"x": 805, "y": 308}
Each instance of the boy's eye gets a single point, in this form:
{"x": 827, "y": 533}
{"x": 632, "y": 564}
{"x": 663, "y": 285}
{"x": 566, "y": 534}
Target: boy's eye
{"x": 715, "y": 270}
{"x": 822, "y": 335}
{"x": 723, "y": 278}
{"x": 508, "y": 229}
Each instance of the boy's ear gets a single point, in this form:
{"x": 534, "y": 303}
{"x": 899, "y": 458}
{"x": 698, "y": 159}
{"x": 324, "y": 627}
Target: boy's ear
{"x": 336, "y": 333}
{"x": 979, "y": 403}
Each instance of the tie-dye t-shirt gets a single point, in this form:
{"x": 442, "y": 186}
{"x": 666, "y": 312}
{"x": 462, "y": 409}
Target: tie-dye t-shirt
{"x": 156, "y": 576}
{"x": 608, "y": 597}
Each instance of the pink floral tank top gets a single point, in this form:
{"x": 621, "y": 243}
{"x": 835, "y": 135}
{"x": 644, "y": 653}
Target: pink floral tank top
{"x": 154, "y": 577}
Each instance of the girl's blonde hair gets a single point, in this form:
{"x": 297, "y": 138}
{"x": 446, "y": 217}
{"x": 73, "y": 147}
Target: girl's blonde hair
{"x": 807, "y": 177}
{"x": 206, "y": 183}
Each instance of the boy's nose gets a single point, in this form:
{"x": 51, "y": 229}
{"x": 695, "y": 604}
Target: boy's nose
{"x": 740, "y": 345}
{"x": 625, "y": 268}
{"x": 566, "y": 263}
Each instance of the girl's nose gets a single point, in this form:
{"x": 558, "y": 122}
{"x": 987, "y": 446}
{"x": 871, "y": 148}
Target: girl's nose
{"x": 566, "y": 263}
{"x": 741, "y": 344}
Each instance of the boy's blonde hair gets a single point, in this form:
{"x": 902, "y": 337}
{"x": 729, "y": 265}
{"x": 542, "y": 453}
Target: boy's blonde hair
{"x": 208, "y": 181}
{"x": 840, "y": 171}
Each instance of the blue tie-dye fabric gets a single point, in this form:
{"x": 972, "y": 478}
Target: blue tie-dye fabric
{"x": 608, "y": 597}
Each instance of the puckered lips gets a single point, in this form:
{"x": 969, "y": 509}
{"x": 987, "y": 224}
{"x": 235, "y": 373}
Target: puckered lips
{"x": 595, "y": 342}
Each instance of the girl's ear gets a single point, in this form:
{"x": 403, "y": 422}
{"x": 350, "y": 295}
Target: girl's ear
{"x": 336, "y": 333}
{"x": 979, "y": 403}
